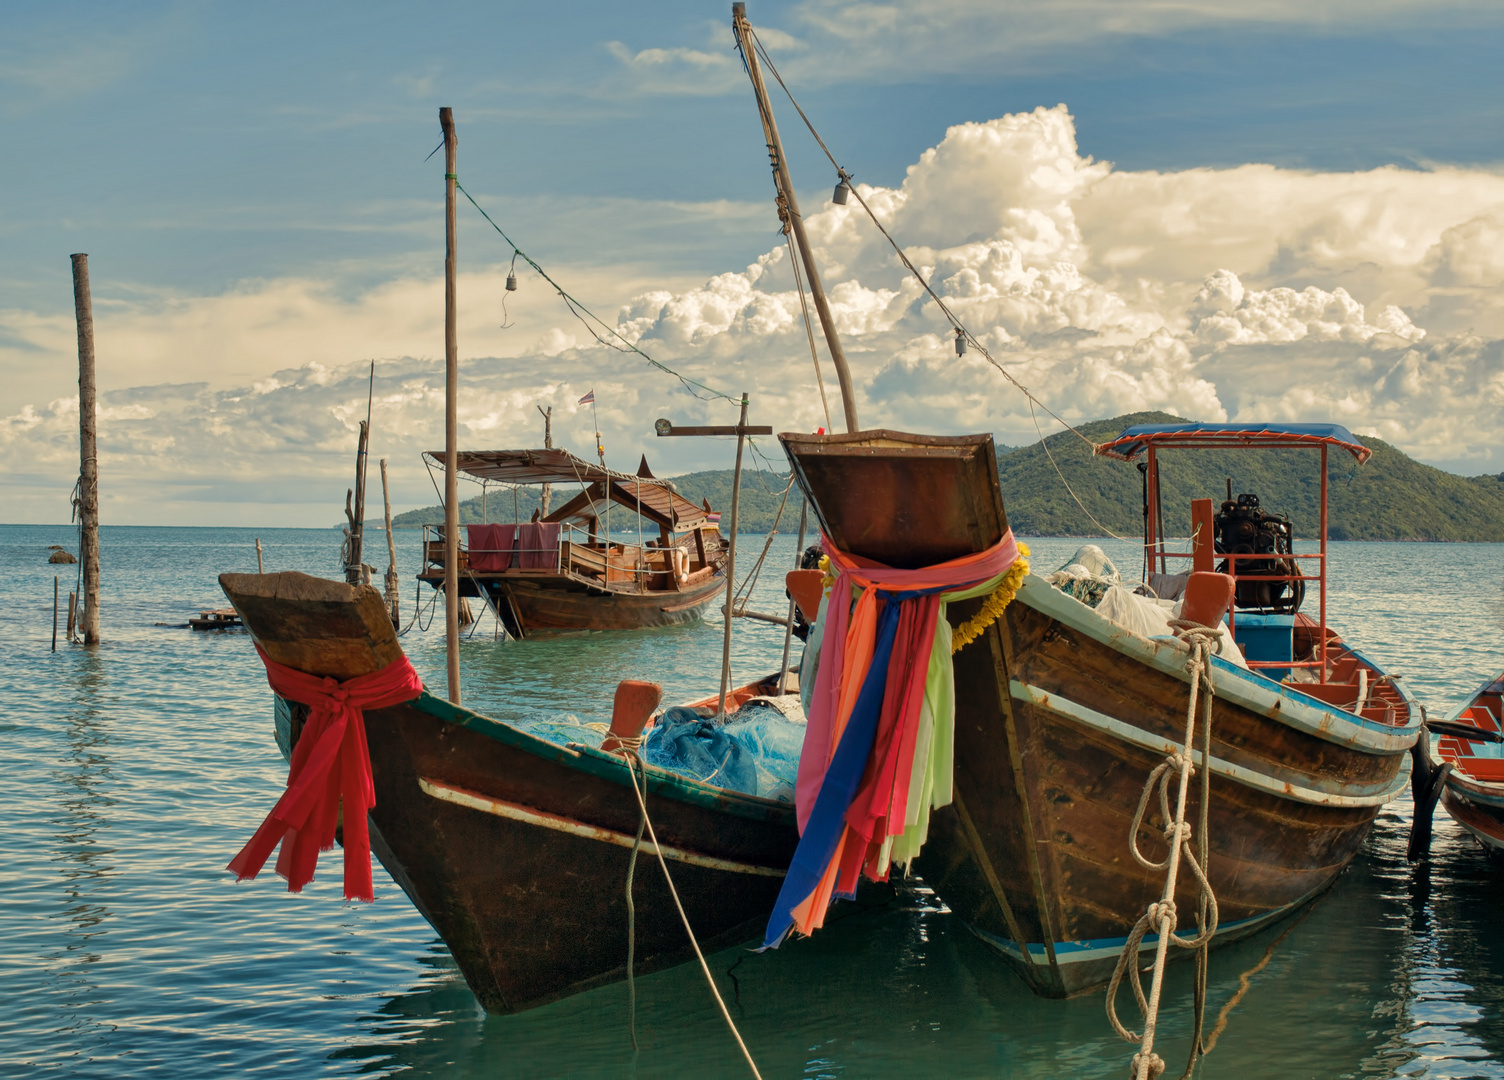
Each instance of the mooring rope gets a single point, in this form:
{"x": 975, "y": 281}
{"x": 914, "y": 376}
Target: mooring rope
{"x": 629, "y": 748}
{"x": 1161, "y": 915}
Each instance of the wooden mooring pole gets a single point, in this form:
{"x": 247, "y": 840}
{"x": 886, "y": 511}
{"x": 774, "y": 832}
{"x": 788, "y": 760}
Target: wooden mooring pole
{"x": 88, "y": 473}
{"x": 259, "y": 568}
{"x": 392, "y": 602}
{"x": 741, "y": 431}
{"x": 54, "y": 612}
{"x": 451, "y": 417}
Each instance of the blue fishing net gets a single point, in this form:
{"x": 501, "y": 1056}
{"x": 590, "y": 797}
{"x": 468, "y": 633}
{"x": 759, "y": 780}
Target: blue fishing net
{"x": 755, "y": 752}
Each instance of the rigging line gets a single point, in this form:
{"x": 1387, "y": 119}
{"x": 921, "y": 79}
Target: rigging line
{"x": 904, "y": 258}
{"x": 1066, "y": 482}
{"x": 809, "y": 328}
{"x": 745, "y": 590}
{"x": 642, "y": 805}
{"x": 576, "y": 307}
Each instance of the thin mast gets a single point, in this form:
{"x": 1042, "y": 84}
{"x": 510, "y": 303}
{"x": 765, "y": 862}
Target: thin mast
{"x": 451, "y": 419}
{"x": 785, "y": 189}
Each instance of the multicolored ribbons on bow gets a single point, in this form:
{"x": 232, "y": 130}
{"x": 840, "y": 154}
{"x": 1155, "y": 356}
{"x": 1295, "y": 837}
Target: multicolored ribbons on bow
{"x": 331, "y": 766}
{"x": 878, "y": 751}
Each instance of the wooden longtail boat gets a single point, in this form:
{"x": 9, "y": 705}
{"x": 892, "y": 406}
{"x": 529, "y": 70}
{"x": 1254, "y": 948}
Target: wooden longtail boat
{"x": 515, "y": 848}
{"x": 1472, "y": 789}
{"x": 562, "y": 572}
{"x": 1061, "y": 715}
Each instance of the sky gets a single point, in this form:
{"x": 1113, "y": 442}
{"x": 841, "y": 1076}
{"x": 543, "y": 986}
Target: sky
{"x": 1274, "y": 210}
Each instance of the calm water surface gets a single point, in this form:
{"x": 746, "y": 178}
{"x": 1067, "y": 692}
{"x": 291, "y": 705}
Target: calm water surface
{"x": 134, "y": 771}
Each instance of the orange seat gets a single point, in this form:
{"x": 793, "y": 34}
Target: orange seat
{"x": 1489, "y": 770}
{"x": 804, "y": 586}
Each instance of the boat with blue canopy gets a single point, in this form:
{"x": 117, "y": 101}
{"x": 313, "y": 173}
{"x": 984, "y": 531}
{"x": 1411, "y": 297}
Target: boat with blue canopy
{"x": 1051, "y": 847}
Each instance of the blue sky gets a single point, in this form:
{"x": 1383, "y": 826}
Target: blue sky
{"x": 202, "y": 151}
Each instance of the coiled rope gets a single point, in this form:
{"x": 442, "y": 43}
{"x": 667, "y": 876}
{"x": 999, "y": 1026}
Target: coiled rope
{"x": 1161, "y": 915}
{"x": 629, "y": 750}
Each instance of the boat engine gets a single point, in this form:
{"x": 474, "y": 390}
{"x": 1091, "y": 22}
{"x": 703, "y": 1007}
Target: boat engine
{"x": 1242, "y": 527}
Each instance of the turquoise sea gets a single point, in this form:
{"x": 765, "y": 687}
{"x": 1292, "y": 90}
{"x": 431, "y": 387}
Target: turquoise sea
{"x": 134, "y": 771}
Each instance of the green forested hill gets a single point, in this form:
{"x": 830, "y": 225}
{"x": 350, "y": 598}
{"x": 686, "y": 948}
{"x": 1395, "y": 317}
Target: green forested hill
{"x": 1393, "y": 497}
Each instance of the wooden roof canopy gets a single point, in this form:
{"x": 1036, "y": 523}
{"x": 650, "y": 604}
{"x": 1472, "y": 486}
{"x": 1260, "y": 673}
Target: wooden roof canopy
{"x": 657, "y": 500}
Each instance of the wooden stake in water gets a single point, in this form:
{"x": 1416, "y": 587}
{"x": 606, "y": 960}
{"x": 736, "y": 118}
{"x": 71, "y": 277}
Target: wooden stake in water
{"x": 741, "y": 431}
{"x": 451, "y": 417}
{"x": 88, "y": 471}
{"x": 54, "y": 612}
{"x": 259, "y": 568}
{"x": 391, "y": 551}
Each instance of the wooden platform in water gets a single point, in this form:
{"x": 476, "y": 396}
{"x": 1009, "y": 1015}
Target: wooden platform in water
{"x": 217, "y": 619}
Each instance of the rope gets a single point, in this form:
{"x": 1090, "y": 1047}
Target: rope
{"x": 1043, "y": 445}
{"x": 587, "y": 317}
{"x": 1161, "y": 915}
{"x": 642, "y": 805}
{"x": 634, "y": 742}
{"x": 945, "y": 310}
{"x": 744, "y": 591}
{"x": 809, "y": 326}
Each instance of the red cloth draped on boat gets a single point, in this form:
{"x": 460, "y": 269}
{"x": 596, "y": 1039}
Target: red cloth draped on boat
{"x": 490, "y": 546}
{"x": 330, "y": 766}
{"x": 538, "y": 546}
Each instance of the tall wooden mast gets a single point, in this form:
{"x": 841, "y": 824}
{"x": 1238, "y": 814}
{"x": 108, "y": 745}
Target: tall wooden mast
{"x": 785, "y": 188}
{"x": 451, "y": 419}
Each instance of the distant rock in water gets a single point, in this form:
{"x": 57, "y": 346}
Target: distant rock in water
{"x": 60, "y": 556}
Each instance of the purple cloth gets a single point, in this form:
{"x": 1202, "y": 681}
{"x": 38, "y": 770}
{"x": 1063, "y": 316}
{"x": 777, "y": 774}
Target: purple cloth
{"x": 491, "y": 547}
{"x": 538, "y": 546}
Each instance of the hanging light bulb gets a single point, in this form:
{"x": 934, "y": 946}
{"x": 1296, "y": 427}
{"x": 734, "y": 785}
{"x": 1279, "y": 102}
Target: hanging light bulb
{"x": 842, "y": 192}
{"x": 960, "y": 342}
{"x": 511, "y": 283}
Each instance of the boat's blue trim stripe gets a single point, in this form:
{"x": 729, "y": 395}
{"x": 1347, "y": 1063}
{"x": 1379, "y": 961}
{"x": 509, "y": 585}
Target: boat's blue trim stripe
{"x": 1076, "y": 952}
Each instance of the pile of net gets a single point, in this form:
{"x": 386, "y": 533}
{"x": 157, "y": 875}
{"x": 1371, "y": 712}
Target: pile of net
{"x": 756, "y": 751}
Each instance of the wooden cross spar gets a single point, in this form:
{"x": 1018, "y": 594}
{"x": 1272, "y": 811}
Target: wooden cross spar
{"x": 741, "y": 431}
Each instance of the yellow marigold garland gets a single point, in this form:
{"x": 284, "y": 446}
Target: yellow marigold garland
{"x": 993, "y": 606}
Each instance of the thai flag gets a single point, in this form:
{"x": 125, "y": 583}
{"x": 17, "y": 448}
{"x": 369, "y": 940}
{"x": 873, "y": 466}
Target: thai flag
{"x": 588, "y": 399}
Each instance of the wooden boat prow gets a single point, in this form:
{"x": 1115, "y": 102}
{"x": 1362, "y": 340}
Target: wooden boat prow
{"x": 325, "y": 628}
{"x": 902, "y": 500}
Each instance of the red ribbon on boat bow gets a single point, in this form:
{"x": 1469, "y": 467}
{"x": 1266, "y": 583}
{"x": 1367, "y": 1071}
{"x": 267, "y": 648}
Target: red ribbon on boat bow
{"x": 330, "y": 765}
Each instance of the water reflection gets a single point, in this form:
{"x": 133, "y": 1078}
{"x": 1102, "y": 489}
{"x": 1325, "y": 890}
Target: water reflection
{"x": 132, "y": 774}
{"x": 82, "y": 852}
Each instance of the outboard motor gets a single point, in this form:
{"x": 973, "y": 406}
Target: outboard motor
{"x": 1242, "y": 527}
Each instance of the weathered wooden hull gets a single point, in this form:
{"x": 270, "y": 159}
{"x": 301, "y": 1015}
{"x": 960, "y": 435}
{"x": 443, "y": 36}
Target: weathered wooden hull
{"x": 1061, "y": 716}
{"x": 515, "y": 849}
{"x": 553, "y": 603}
{"x": 1057, "y": 732}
